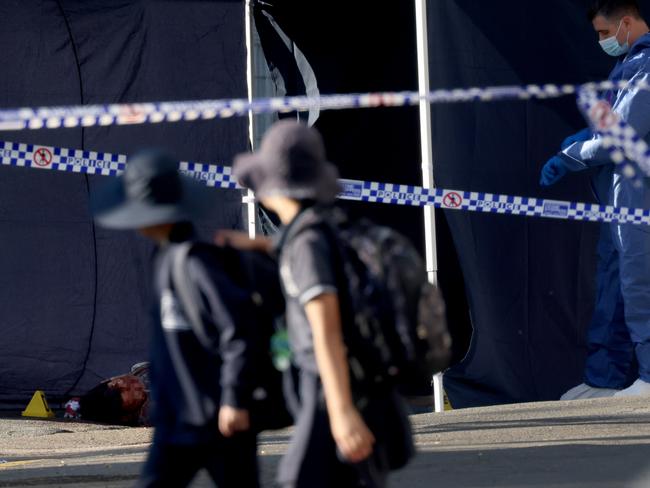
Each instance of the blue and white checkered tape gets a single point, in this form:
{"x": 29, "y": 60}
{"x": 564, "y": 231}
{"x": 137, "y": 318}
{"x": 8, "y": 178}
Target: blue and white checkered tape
{"x": 217, "y": 176}
{"x": 99, "y": 163}
{"x": 212, "y": 175}
{"x": 157, "y": 112}
{"x": 624, "y": 145}
{"x": 61, "y": 159}
{"x": 389, "y": 193}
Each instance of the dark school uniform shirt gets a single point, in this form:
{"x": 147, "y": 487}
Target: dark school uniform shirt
{"x": 183, "y": 409}
{"x": 306, "y": 271}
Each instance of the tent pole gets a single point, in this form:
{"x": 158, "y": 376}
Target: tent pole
{"x": 249, "y": 197}
{"x": 427, "y": 164}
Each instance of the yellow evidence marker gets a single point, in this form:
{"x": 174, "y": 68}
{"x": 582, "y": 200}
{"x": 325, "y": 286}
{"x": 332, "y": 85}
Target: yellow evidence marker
{"x": 38, "y": 407}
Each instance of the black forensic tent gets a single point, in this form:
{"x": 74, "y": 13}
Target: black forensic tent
{"x": 521, "y": 288}
{"x": 73, "y": 297}
{"x": 529, "y": 282}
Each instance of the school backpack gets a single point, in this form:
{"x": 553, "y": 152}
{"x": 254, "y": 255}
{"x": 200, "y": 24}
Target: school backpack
{"x": 400, "y": 330}
{"x": 256, "y": 276}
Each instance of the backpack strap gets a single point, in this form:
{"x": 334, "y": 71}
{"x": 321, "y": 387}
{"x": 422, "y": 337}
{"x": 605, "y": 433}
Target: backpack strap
{"x": 187, "y": 293}
{"x": 199, "y": 411}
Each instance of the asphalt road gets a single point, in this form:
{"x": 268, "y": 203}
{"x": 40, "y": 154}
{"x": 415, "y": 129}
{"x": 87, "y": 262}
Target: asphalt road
{"x": 593, "y": 443}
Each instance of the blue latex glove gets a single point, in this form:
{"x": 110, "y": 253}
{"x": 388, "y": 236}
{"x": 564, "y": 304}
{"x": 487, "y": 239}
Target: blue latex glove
{"x": 583, "y": 135}
{"x": 553, "y": 171}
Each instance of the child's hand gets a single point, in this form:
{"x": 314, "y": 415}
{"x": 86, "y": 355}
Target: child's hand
{"x": 233, "y": 420}
{"x": 352, "y": 436}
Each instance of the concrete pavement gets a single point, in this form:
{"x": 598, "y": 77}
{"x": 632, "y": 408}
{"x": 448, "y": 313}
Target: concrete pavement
{"x": 592, "y": 443}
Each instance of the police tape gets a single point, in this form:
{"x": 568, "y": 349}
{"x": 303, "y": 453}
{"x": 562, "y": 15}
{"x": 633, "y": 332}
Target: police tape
{"x": 624, "y": 145}
{"x": 389, "y": 193}
{"x": 157, "y": 112}
{"x": 217, "y": 176}
{"x": 100, "y": 163}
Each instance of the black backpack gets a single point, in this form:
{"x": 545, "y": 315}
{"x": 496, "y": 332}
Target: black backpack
{"x": 400, "y": 330}
{"x": 256, "y": 274}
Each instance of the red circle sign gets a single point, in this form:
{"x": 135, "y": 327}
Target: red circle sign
{"x": 42, "y": 157}
{"x": 452, "y": 200}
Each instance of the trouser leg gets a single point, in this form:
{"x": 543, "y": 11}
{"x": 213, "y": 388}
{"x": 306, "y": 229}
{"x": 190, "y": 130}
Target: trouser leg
{"x": 610, "y": 353}
{"x": 232, "y": 462}
{"x": 311, "y": 460}
{"x": 635, "y": 287}
{"x": 169, "y": 466}
{"x": 633, "y": 245}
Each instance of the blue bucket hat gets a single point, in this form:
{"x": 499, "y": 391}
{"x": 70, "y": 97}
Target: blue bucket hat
{"x": 150, "y": 192}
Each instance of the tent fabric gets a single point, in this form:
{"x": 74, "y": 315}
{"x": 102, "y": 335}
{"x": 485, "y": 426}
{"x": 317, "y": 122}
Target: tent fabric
{"x": 529, "y": 281}
{"x": 290, "y": 71}
{"x": 74, "y": 298}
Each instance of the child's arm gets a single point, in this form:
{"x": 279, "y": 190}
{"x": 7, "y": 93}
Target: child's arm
{"x": 352, "y": 436}
{"x": 232, "y": 342}
{"x": 240, "y": 240}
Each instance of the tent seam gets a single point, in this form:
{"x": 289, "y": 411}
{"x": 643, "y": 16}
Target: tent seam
{"x": 92, "y": 222}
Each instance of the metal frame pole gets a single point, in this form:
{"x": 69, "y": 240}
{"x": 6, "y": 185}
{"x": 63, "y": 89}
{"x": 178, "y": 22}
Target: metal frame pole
{"x": 249, "y": 198}
{"x": 427, "y": 164}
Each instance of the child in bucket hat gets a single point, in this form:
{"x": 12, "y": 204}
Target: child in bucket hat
{"x": 334, "y": 443}
{"x": 201, "y": 398}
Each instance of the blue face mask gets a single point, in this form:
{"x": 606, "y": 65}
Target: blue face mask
{"x": 611, "y": 45}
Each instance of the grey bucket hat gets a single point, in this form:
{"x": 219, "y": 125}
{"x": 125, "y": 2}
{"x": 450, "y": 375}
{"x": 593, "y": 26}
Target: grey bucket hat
{"x": 150, "y": 192}
{"x": 290, "y": 162}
